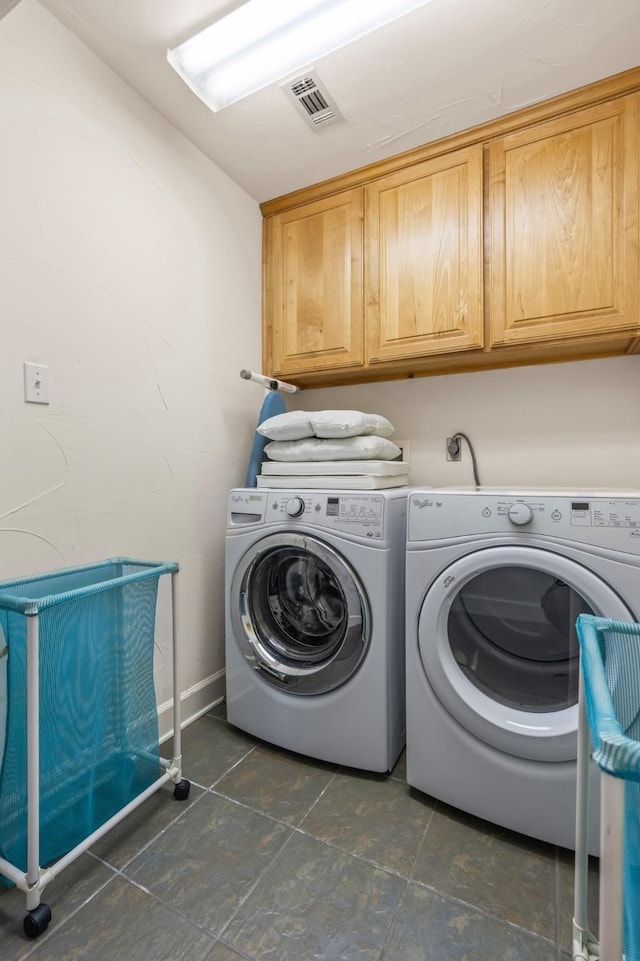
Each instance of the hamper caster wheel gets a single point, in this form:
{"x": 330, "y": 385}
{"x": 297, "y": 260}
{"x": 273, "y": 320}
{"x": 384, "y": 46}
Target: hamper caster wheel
{"x": 181, "y": 790}
{"x": 36, "y": 921}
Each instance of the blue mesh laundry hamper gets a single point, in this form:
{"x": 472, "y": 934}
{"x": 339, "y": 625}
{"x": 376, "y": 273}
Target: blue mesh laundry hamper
{"x": 80, "y": 724}
{"x": 610, "y": 668}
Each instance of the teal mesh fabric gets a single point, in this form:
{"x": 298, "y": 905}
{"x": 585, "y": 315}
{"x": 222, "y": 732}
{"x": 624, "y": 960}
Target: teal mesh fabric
{"x": 610, "y": 658}
{"x": 98, "y": 717}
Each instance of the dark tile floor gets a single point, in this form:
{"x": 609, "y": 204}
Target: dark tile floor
{"x": 275, "y": 857}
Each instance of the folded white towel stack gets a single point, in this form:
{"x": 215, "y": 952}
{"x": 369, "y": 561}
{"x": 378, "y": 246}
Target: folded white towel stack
{"x": 331, "y": 448}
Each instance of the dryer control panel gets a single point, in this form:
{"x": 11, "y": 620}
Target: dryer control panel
{"x": 608, "y": 521}
{"x": 359, "y": 513}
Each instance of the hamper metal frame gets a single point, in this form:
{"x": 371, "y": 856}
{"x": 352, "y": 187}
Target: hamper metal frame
{"x": 35, "y": 879}
{"x": 615, "y": 771}
{"x": 608, "y": 946}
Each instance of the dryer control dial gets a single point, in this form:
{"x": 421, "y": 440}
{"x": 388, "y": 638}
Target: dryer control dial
{"x": 294, "y": 507}
{"x": 520, "y": 514}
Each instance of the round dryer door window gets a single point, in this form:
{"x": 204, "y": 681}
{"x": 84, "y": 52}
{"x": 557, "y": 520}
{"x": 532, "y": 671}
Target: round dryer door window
{"x": 302, "y": 613}
{"x": 498, "y": 644}
{"x": 512, "y": 632}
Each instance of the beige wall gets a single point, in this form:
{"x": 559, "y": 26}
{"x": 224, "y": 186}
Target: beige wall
{"x": 569, "y": 425}
{"x": 130, "y": 265}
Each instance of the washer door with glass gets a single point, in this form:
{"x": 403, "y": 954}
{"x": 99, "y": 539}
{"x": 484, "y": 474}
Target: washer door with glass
{"x": 498, "y": 645}
{"x": 300, "y": 613}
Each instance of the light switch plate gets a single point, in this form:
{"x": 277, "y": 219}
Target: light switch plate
{"x": 36, "y": 383}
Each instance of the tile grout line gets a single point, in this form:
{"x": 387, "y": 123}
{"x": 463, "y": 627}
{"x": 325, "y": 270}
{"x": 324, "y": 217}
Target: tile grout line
{"x": 248, "y": 894}
{"x": 193, "y": 922}
{"x": 423, "y": 841}
{"x": 228, "y": 770}
{"x": 322, "y": 793}
{"x": 236, "y": 950}
{"x": 293, "y": 829}
{"x": 408, "y": 881}
{"x": 298, "y": 829}
{"x": 152, "y": 840}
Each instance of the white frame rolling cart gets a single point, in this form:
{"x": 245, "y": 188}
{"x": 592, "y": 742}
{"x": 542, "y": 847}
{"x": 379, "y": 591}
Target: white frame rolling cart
{"x": 77, "y": 597}
{"x": 609, "y": 708}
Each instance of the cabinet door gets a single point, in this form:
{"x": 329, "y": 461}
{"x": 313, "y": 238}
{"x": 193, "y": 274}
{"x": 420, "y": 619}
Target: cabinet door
{"x": 423, "y": 256}
{"x": 563, "y": 201}
{"x": 313, "y": 292}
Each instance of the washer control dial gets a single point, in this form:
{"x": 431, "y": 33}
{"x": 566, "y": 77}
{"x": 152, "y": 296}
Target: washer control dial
{"x": 520, "y": 514}
{"x": 294, "y": 507}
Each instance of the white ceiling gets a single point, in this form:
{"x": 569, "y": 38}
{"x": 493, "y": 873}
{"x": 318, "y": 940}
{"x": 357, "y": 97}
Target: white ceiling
{"x": 446, "y": 67}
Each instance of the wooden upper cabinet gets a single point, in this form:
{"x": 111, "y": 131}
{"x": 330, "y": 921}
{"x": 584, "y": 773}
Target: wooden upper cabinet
{"x": 313, "y": 286}
{"x": 563, "y": 217}
{"x": 423, "y": 257}
{"x": 515, "y": 242}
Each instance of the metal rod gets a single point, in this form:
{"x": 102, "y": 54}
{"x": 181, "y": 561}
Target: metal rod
{"x": 611, "y": 867}
{"x": 12, "y": 873}
{"x": 269, "y": 382}
{"x": 177, "y": 733}
{"x": 33, "y": 749}
{"x": 582, "y": 812}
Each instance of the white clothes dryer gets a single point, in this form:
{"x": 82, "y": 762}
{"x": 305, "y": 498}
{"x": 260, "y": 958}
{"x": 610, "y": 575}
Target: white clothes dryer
{"x": 315, "y": 621}
{"x": 494, "y": 583}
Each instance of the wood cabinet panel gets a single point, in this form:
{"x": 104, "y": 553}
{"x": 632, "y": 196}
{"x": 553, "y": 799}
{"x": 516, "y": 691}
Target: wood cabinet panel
{"x": 516, "y": 242}
{"x": 423, "y": 256}
{"x": 563, "y": 200}
{"x": 314, "y": 274}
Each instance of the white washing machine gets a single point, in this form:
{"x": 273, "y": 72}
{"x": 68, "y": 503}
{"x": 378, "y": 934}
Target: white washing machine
{"x": 315, "y": 621}
{"x": 494, "y": 583}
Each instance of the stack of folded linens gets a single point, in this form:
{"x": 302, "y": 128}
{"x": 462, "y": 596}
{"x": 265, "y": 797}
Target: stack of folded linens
{"x": 331, "y": 449}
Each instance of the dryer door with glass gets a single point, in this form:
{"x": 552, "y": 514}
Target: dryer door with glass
{"x": 300, "y": 613}
{"x": 498, "y": 645}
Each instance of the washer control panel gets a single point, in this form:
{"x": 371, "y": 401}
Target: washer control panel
{"x": 608, "y": 521}
{"x": 361, "y": 514}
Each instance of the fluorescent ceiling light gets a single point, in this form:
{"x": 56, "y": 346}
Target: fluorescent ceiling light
{"x": 266, "y": 40}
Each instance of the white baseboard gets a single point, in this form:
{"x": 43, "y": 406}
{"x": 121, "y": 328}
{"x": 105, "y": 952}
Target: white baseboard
{"x": 194, "y": 702}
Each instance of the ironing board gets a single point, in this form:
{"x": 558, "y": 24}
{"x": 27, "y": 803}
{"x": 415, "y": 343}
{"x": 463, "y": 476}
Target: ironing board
{"x": 272, "y": 404}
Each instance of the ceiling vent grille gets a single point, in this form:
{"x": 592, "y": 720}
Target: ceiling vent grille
{"x": 312, "y": 100}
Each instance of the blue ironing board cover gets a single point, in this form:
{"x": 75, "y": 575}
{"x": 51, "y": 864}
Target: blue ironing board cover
{"x": 272, "y": 404}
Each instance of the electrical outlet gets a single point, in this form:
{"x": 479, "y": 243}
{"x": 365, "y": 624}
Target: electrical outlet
{"x": 453, "y": 448}
{"x": 405, "y": 448}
